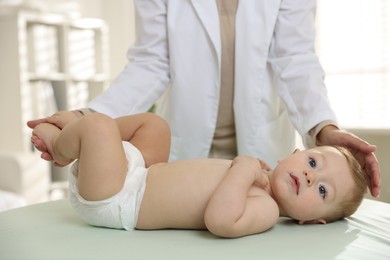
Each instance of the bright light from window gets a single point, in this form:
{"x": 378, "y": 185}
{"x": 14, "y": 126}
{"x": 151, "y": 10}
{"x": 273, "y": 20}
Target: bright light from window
{"x": 353, "y": 43}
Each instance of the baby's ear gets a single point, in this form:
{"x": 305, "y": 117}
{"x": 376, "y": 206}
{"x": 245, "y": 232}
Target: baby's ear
{"x": 315, "y": 221}
{"x": 296, "y": 150}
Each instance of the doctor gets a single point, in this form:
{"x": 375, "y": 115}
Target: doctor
{"x": 234, "y": 77}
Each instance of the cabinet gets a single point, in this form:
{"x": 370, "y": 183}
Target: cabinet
{"x": 49, "y": 62}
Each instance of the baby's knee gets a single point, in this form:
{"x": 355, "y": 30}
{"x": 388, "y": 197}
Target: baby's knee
{"x": 98, "y": 122}
{"x": 160, "y": 125}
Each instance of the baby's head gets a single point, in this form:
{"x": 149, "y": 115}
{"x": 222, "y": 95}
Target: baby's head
{"x": 353, "y": 200}
{"x": 318, "y": 185}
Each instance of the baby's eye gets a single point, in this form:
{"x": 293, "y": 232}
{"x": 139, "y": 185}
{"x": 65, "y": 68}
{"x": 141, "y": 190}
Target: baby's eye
{"x": 322, "y": 191}
{"x": 312, "y": 163}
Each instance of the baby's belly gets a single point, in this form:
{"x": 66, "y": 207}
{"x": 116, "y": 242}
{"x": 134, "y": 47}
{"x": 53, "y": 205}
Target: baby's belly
{"x": 176, "y": 198}
{"x": 175, "y": 210}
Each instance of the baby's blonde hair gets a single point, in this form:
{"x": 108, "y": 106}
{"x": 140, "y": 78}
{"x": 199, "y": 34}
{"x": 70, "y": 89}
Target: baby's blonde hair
{"x": 351, "y": 203}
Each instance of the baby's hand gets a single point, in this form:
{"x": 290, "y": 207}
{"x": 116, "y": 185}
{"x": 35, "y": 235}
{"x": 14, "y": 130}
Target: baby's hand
{"x": 264, "y": 165}
{"x": 254, "y": 166}
{"x": 261, "y": 178}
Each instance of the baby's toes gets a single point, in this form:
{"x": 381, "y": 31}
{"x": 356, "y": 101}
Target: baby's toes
{"x": 38, "y": 143}
{"x": 46, "y": 156}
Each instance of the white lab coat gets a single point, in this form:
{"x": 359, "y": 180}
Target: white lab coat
{"x": 177, "y": 55}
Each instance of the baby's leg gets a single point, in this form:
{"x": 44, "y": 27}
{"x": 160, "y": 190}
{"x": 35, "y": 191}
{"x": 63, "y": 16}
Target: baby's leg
{"x": 149, "y": 133}
{"x": 94, "y": 140}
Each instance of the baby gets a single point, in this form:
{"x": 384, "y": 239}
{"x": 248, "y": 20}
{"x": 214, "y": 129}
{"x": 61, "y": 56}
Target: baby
{"x": 122, "y": 180}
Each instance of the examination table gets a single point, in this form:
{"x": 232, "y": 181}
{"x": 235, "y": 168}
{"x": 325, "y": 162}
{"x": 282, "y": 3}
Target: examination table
{"x": 52, "y": 230}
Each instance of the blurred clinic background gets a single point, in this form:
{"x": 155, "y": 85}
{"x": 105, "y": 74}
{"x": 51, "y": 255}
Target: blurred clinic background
{"x": 57, "y": 55}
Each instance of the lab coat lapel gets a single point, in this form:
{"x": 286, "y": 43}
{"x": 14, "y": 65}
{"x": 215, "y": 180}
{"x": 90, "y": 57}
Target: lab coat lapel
{"x": 208, "y": 14}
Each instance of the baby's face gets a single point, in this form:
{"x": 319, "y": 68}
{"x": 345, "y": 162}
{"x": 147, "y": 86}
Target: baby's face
{"x": 309, "y": 184}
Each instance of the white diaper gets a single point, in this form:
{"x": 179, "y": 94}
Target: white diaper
{"x": 121, "y": 210}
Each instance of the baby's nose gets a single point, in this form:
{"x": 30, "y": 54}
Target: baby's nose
{"x": 310, "y": 177}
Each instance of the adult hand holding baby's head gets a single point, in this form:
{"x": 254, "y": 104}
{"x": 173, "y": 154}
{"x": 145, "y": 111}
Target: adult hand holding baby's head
{"x": 363, "y": 152}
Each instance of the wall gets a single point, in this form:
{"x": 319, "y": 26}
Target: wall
{"x": 119, "y": 14}
{"x": 382, "y": 140}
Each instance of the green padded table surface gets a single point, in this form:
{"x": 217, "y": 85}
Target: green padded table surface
{"x": 52, "y": 231}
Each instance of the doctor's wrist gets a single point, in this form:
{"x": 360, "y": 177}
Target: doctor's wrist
{"x": 83, "y": 111}
{"x": 321, "y": 138}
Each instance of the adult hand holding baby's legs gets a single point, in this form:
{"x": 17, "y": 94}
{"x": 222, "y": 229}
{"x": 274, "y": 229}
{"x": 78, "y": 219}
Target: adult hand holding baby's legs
{"x": 44, "y": 137}
{"x": 60, "y": 120}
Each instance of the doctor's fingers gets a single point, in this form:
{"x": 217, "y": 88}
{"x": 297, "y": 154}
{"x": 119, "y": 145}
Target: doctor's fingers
{"x": 62, "y": 118}
{"x": 372, "y": 174}
{"x": 33, "y": 123}
{"x": 354, "y": 142}
{"x": 371, "y": 169}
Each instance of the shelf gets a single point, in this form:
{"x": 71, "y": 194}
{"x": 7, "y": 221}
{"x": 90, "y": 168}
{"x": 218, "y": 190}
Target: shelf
{"x": 49, "y": 62}
{"x": 44, "y": 53}
{"x": 53, "y": 76}
{"x": 88, "y": 23}
{"x": 91, "y": 78}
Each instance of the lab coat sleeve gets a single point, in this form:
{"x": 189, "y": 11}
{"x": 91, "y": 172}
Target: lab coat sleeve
{"x": 146, "y": 75}
{"x": 297, "y": 73}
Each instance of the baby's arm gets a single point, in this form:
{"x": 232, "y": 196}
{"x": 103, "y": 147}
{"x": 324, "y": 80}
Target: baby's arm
{"x": 233, "y": 210}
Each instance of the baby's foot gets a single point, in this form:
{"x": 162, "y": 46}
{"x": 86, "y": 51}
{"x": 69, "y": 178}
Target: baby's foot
{"x": 40, "y": 146}
{"x": 43, "y": 138}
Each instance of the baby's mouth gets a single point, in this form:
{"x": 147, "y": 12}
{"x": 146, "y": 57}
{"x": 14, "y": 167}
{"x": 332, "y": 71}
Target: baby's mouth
{"x": 295, "y": 182}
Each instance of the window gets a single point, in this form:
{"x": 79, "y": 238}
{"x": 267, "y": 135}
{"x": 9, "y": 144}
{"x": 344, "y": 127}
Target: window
{"x": 353, "y": 44}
